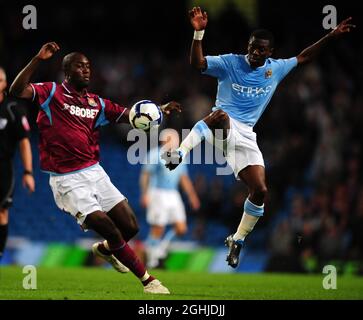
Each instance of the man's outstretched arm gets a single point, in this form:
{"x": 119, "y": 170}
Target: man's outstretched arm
{"x": 309, "y": 53}
{"x": 26, "y": 157}
{"x": 21, "y": 87}
{"x": 199, "y": 22}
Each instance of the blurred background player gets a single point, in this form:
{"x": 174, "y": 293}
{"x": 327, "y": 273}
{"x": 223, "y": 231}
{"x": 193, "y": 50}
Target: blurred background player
{"x": 246, "y": 84}
{"x": 14, "y": 130}
{"x": 161, "y": 198}
{"x": 69, "y": 119}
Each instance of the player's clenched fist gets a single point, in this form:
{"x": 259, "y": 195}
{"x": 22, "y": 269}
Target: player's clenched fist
{"x": 198, "y": 19}
{"x": 47, "y": 50}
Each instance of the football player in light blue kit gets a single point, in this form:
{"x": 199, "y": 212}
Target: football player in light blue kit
{"x": 161, "y": 197}
{"x": 246, "y": 84}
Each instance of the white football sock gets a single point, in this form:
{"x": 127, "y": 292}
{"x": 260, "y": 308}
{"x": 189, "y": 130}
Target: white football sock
{"x": 145, "y": 276}
{"x": 199, "y": 132}
{"x": 246, "y": 225}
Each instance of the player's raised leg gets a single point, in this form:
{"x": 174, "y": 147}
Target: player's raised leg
{"x": 104, "y": 226}
{"x": 199, "y": 132}
{"x": 254, "y": 177}
{"x": 202, "y": 130}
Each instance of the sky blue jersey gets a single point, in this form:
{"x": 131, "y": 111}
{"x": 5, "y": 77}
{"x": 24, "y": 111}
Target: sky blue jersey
{"x": 243, "y": 93}
{"x": 160, "y": 176}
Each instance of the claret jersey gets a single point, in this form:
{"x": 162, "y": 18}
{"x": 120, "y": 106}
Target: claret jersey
{"x": 69, "y": 126}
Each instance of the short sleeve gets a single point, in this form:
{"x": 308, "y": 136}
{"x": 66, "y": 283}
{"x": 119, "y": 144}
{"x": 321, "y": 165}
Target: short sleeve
{"x": 41, "y": 91}
{"x": 216, "y": 66}
{"x": 285, "y": 66}
{"x": 110, "y": 112}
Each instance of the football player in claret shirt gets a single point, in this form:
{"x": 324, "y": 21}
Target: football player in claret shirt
{"x": 69, "y": 119}
{"x": 246, "y": 84}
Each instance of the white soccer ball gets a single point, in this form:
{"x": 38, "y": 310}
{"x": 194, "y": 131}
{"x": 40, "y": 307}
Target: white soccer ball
{"x": 145, "y": 115}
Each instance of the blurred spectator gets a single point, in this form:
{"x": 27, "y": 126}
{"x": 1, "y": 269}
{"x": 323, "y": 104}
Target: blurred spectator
{"x": 283, "y": 255}
{"x": 330, "y": 243}
{"x": 357, "y": 229}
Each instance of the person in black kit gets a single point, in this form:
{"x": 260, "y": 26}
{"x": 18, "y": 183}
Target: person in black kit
{"x": 14, "y": 129}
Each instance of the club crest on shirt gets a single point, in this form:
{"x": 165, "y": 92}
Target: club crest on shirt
{"x": 3, "y": 123}
{"x": 25, "y": 123}
{"x": 92, "y": 102}
{"x": 268, "y": 73}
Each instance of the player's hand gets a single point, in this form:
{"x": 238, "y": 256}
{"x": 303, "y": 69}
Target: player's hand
{"x": 47, "y": 51}
{"x": 145, "y": 200}
{"x": 194, "y": 203}
{"x": 344, "y": 27}
{"x": 170, "y": 106}
{"x": 198, "y": 19}
{"x": 29, "y": 183}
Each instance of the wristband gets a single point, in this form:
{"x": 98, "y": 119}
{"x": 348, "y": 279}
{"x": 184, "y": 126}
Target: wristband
{"x": 198, "y": 35}
{"x": 27, "y": 172}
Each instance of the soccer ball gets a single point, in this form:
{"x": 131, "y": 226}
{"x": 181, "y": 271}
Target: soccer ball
{"x": 145, "y": 115}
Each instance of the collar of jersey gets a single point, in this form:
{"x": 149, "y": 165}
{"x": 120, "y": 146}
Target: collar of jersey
{"x": 250, "y": 64}
{"x": 71, "y": 90}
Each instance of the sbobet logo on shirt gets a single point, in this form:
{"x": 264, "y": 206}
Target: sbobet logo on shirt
{"x": 80, "y": 112}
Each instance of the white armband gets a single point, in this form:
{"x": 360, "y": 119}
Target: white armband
{"x": 198, "y": 35}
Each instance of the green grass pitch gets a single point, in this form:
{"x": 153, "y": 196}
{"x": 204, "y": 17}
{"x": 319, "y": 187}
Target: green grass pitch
{"x": 98, "y": 283}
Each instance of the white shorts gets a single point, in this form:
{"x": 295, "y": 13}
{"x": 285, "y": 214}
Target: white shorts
{"x": 84, "y": 192}
{"x": 240, "y": 148}
{"x": 166, "y": 207}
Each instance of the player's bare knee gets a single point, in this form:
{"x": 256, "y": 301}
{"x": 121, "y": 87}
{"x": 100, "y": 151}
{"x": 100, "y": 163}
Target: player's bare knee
{"x": 180, "y": 229}
{"x": 221, "y": 118}
{"x": 134, "y": 228}
{"x": 217, "y": 119}
{"x": 260, "y": 193}
{"x": 113, "y": 234}
{"x": 221, "y": 115}
{"x": 102, "y": 224}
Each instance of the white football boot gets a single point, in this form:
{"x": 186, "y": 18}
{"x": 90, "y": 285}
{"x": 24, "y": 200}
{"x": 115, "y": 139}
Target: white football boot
{"x": 156, "y": 287}
{"x": 115, "y": 263}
